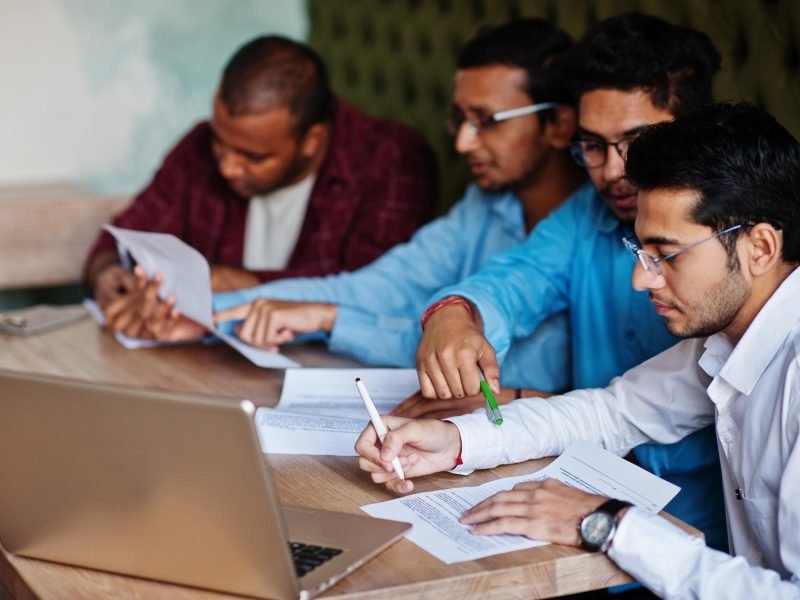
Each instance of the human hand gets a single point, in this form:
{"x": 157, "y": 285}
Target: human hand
{"x": 541, "y": 510}
{"x": 270, "y": 323}
{"x": 165, "y": 323}
{"x": 423, "y": 446}
{"x": 417, "y": 406}
{"x": 129, "y": 313}
{"x": 227, "y": 279}
{"x": 451, "y": 347}
{"x": 112, "y": 283}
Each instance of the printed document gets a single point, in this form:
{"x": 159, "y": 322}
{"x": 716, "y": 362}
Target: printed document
{"x": 333, "y": 391}
{"x": 289, "y": 432}
{"x": 321, "y": 413}
{"x": 435, "y": 514}
{"x": 187, "y": 276}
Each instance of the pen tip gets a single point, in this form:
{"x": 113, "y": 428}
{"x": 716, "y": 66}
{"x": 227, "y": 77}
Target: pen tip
{"x": 358, "y": 378}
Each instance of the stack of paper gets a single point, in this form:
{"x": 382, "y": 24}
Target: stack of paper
{"x": 320, "y": 411}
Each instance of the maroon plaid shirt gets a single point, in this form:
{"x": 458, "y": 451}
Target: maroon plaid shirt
{"x": 375, "y": 188}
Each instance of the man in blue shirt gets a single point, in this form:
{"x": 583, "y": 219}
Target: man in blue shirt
{"x": 631, "y": 71}
{"x": 513, "y": 120}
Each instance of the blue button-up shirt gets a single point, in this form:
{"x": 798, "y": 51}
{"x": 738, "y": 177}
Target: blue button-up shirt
{"x": 574, "y": 260}
{"x": 380, "y": 305}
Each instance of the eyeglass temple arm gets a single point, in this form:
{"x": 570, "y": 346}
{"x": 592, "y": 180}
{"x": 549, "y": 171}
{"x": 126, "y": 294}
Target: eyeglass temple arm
{"x": 522, "y": 110}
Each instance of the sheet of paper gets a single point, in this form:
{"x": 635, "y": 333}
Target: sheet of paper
{"x": 187, "y": 276}
{"x": 333, "y": 391}
{"x": 435, "y": 515}
{"x": 289, "y": 432}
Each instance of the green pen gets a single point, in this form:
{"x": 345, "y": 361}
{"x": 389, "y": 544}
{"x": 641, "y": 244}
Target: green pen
{"x": 492, "y": 410}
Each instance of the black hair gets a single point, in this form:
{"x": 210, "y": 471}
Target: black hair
{"x": 674, "y": 64}
{"x": 743, "y": 164}
{"x": 272, "y": 72}
{"x": 534, "y": 45}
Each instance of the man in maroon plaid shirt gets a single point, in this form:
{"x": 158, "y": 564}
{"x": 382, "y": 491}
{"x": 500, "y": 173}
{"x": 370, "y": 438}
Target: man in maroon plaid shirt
{"x": 285, "y": 180}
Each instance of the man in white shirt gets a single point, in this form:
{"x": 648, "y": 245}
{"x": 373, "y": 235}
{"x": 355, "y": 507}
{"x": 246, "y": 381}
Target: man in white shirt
{"x": 719, "y": 225}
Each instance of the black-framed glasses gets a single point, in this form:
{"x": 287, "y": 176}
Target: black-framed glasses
{"x": 652, "y": 263}
{"x": 593, "y": 152}
{"x": 481, "y": 124}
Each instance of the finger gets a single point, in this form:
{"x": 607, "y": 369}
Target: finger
{"x": 484, "y": 508}
{"x": 233, "y": 314}
{"x": 439, "y": 381}
{"x": 248, "y": 330}
{"x": 487, "y": 362}
{"x": 406, "y": 405}
{"x": 149, "y": 299}
{"x": 400, "y": 486}
{"x": 508, "y": 525}
{"x": 367, "y": 445}
{"x": 426, "y": 388}
{"x": 428, "y": 407}
{"x": 466, "y": 370}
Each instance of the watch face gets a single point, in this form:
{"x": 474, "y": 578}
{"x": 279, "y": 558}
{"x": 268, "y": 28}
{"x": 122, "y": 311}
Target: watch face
{"x": 596, "y": 527}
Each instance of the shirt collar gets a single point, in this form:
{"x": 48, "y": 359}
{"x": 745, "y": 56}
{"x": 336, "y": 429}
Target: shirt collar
{"x": 606, "y": 221}
{"x": 763, "y": 339}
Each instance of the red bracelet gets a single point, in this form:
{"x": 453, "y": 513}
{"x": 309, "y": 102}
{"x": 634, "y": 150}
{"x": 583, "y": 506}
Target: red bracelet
{"x": 450, "y": 300}
{"x": 458, "y": 459}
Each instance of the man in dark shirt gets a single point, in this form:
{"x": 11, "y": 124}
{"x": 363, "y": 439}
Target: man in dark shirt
{"x": 285, "y": 180}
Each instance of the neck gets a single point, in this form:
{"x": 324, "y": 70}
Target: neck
{"x": 553, "y": 182}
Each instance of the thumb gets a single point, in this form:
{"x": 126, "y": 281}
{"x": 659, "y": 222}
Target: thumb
{"x": 488, "y": 364}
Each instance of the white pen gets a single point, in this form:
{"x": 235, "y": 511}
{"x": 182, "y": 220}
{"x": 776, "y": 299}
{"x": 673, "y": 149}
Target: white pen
{"x": 377, "y": 423}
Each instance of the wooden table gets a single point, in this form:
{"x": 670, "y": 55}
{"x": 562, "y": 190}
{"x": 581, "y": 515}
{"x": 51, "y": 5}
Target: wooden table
{"x": 82, "y": 350}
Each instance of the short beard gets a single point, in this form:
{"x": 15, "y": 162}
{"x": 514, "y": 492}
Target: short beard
{"x": 722, "y": 306}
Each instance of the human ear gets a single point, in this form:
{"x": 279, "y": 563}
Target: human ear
{"x": 314, "y": 140}
{"x": 765, "y": 245}
{"x": 560, "y": 128}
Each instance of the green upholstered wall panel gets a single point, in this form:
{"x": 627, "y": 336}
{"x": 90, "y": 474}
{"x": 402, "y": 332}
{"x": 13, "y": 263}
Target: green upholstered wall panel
{"x": 396, "y": 57}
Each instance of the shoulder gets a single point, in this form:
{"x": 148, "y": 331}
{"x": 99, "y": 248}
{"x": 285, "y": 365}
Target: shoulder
{"x": 194, "y": 148}
{"x": 373, "y": 135}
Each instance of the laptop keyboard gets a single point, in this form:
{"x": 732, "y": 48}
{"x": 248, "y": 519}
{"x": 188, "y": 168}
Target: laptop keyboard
{"x": 307, "y": 557}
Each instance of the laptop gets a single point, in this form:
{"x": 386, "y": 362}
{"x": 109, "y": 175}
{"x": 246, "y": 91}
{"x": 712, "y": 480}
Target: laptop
{"x": 166, "y": 486}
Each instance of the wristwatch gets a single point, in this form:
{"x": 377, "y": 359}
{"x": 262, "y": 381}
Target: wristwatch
{"x": 597, "y": 529}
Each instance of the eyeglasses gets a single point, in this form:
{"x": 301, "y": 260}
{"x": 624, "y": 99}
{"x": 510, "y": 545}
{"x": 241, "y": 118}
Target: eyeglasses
{"x": 593, "y": 152}
{"x": 652, "y": 264}
{"x": 481, "y": 124}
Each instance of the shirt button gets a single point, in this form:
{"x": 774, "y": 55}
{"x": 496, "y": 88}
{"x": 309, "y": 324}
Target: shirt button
{"x": 726, "y": 437}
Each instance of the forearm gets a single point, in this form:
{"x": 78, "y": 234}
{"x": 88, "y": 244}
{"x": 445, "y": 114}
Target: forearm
{"x": 356, "y": 330}
{"x": 535, "y": 427}
{"x": 674, "y": 564}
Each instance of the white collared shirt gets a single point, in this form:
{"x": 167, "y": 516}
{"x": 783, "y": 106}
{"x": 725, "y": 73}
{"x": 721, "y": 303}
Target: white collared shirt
{"x": 751, "y": 391}
{"x": 273, "y": 225}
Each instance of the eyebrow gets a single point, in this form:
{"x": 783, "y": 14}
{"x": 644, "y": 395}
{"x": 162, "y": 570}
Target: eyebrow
{"x": 657, "y": 240}
{"x": 242, "y": 151}
{"x": 628, "y": 132}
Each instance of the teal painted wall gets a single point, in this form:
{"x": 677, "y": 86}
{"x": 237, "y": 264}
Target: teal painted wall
{"x": 96, "y": 92}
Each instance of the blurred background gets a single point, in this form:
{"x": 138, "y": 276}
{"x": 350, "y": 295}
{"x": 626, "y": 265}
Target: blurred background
{"x": 95, "y": 93}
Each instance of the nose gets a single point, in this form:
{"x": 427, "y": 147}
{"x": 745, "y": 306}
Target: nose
{"x": 466, "y": 138}
{"x": 643, "y": 280}
{"x": 230, "y": 167}
{"x": 614, "y": 169}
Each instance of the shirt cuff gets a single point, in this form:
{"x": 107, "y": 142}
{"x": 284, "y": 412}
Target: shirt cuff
{"x": 481, "y": 442}
{"x": 653, "y": 551}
